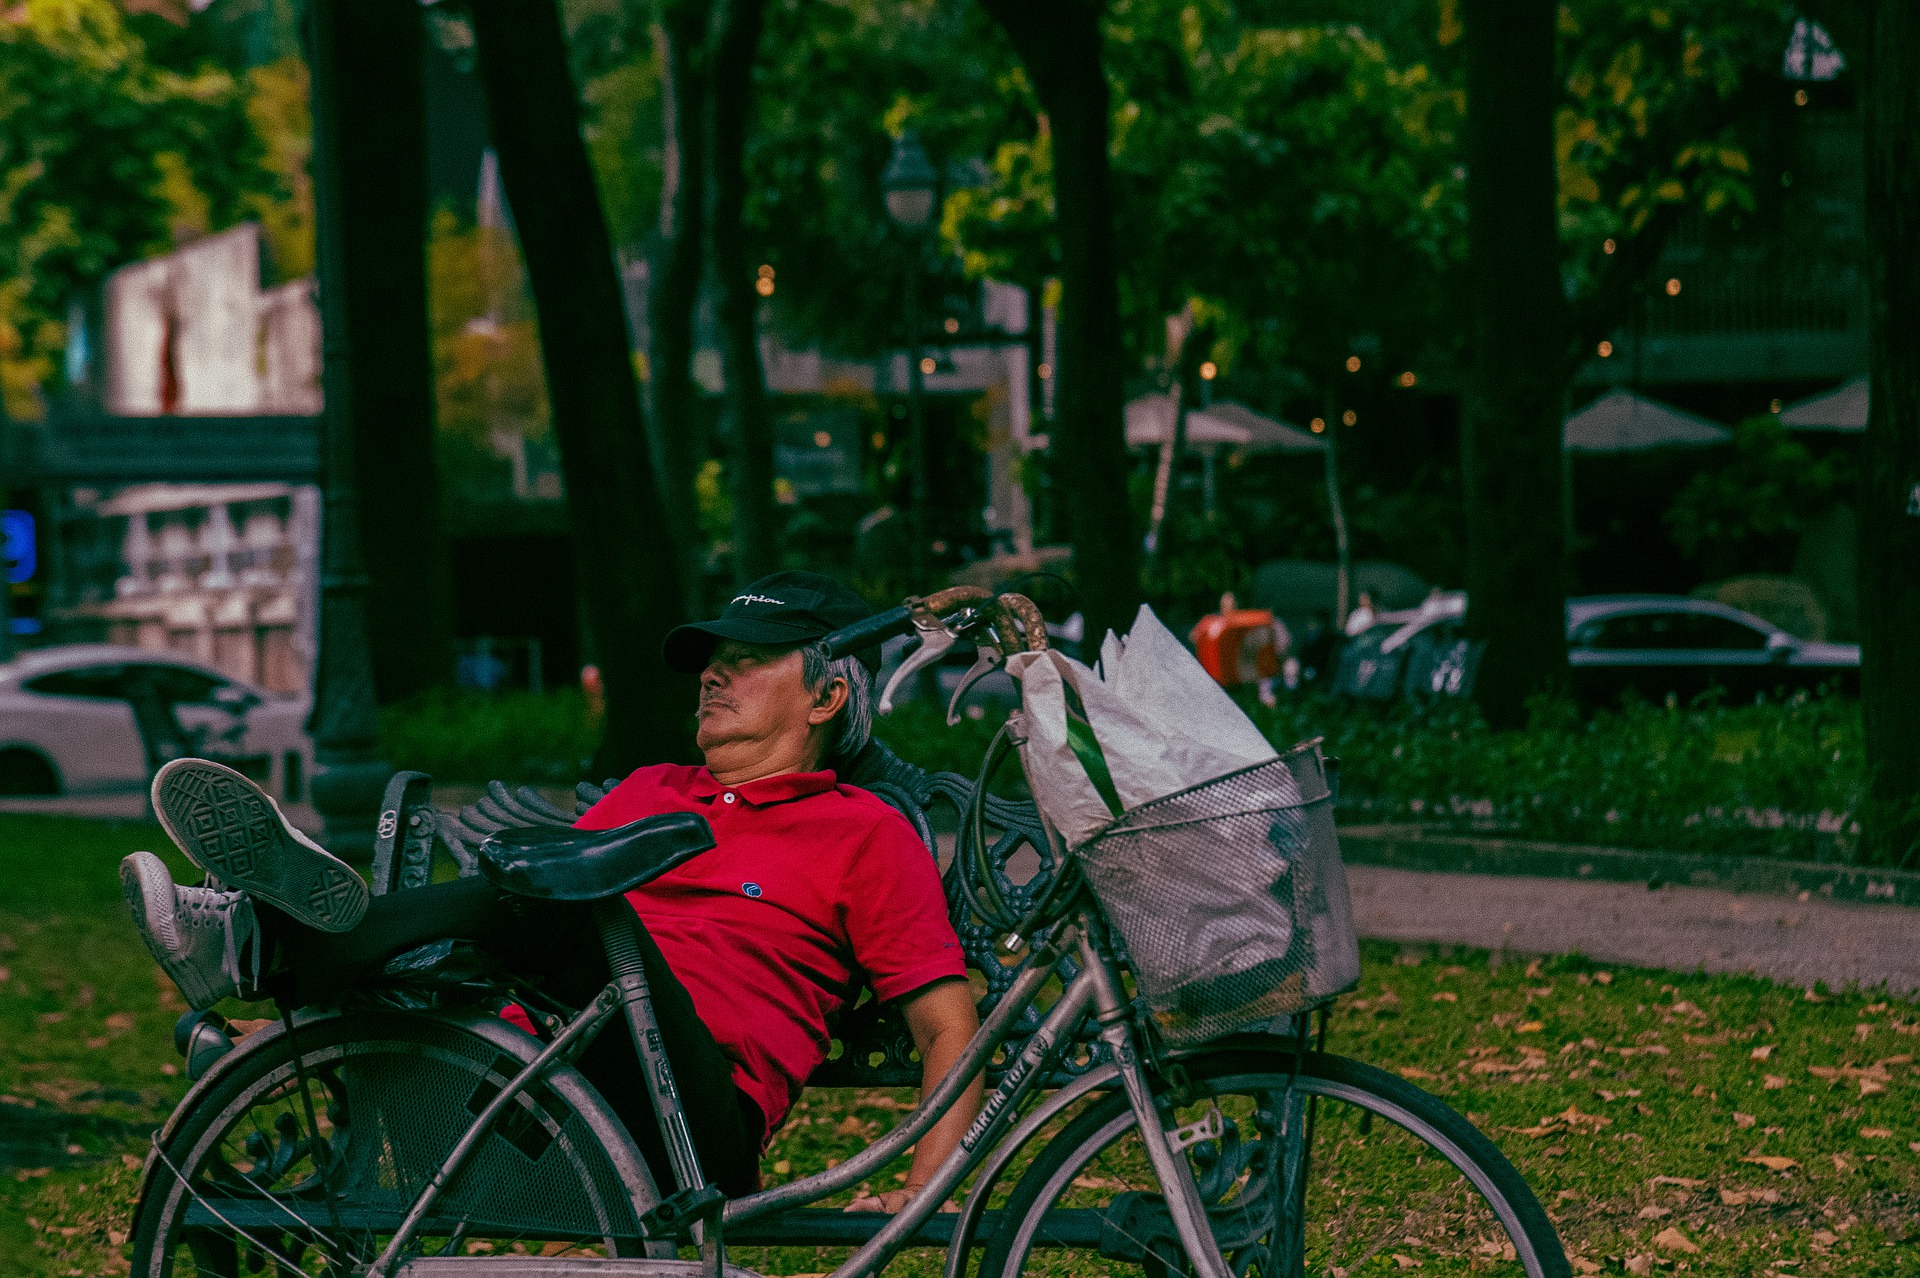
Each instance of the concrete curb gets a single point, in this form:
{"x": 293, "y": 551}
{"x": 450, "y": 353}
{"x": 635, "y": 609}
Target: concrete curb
{"x": 1413, "y": 847}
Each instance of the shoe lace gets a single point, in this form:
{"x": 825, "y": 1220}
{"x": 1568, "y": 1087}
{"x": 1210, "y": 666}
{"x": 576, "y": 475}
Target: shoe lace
{"x": 223, "y": 909}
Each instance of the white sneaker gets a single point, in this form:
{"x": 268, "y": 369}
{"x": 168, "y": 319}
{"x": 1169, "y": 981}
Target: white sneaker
{"x": 195, "y": 933}
{"x": 229, "y": 827}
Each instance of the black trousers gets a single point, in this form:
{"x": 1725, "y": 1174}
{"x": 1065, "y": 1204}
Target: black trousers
{"x": 558, "y": 945}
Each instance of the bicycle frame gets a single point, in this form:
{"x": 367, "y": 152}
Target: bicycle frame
{"x": 1095, "y": 989}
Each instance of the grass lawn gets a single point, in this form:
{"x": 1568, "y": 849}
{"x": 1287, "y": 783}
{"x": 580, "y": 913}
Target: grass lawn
{"x": 1769, "y": 1129}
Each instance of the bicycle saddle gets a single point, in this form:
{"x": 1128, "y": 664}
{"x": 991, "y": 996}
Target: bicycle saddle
{"x": 551, "y": 864}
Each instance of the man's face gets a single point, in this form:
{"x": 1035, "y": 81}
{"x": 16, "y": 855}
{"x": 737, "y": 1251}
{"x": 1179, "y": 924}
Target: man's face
{"x": 752, "y": 694}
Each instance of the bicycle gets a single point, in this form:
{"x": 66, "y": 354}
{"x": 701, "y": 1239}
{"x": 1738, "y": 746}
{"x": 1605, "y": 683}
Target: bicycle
{"x": 416, "y": 1133}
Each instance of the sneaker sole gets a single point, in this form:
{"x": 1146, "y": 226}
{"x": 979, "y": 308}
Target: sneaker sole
{"x": 229, "y": 827}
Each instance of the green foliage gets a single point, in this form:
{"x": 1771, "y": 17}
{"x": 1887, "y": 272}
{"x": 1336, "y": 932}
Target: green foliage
{"x": 1660, "y": 116}
{"x": 1782, "y": 779}
{"x": 104, "y": 156}
{"x": 1746, "y": 514}
{"x": 513, "y": 736}
{"x": 489, "y": 381}
{"x": 838, "y": 80}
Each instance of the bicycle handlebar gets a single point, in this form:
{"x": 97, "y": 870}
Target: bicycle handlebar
{"x": 883, "y": 626}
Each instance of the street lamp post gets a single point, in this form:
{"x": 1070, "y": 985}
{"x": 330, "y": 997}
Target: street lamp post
{"x": 909, "y": 184}
{"x": 349, "y": 774}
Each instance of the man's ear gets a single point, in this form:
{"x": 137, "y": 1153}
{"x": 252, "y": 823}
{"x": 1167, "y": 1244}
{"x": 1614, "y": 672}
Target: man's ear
{"x": 828, "y": 702}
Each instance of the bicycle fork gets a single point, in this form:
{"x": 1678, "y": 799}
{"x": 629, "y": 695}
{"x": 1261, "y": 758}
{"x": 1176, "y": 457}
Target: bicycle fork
{"x": 1169, "y": 1165}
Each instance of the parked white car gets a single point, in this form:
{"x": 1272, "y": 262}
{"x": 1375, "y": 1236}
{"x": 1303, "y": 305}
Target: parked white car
{"x": 99, "y": 718}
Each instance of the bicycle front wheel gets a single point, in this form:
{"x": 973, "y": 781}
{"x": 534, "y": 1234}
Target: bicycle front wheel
{"x": 260, "y": 1174}
{"x": 1336, "y": 1168}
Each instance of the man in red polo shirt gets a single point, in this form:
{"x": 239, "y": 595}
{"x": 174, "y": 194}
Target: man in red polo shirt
{"x": 813, "y": 889}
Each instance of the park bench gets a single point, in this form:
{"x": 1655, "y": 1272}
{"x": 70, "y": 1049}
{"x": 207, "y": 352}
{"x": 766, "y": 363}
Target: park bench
{"x": 872, "y": 1047}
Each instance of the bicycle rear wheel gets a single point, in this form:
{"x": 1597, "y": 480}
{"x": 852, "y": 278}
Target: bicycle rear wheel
{"x": 1389, "y": 1171}
{"x": 258, "y": 1177}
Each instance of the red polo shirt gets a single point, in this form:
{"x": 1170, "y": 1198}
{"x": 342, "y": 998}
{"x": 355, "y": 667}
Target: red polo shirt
{"x": 811, "y": 887}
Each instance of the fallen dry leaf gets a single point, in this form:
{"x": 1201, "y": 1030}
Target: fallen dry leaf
{"x": 1772, "y": 1162}
{"x": 1734, "y": 1197}
{"x": 1654, "y": 1213}
{"x": 1824, "y": 1237}
{"x": 1604, "y": 978}
{"x": 1414, "y": 1072}
{"x": 850, "y": 1126}
{"x": 1581, "y": 1265}
{"x": 1773, "y": 1082}
{"x": 1446, "y": 996}
{"x": 1533, "y": 970}
{"x": 1876, "y": 1133}
{"x": 1529, "y": 1027}
{"x": 1860, "y": 1033}
{"x": 1840, "y": 1164}
{"x": 1683, "y": 1182}
{"x": 1405, "y": 1261}
{"x": 1872, "y": 1008}
{"x": 1671, "y": 1239}
{"x": 1761, "y": 1053}
{"x": 1641, "y": 1264}
{"x": 1743, "y": 1121}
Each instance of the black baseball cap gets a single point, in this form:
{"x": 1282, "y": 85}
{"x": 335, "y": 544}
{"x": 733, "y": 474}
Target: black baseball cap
{"x": 781, "y": 608}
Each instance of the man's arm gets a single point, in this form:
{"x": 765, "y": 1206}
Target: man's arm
{"x": 942, "y": 1019}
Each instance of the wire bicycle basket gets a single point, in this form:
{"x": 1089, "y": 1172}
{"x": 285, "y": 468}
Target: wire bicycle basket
{"x": 1231, "y": 898}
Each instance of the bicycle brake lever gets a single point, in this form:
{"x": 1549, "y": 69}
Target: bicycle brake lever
{"x": 934, "y": 642}
{"x": 987, "y": 660}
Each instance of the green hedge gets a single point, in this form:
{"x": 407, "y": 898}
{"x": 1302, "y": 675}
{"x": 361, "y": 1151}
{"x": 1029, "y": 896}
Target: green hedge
{"x": 1780, "y": 779}
{"x": 510, "y": 736}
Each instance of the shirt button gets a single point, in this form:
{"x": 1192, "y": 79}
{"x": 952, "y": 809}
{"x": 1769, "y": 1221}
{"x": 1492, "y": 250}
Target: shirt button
{"x": 728, "y": 796}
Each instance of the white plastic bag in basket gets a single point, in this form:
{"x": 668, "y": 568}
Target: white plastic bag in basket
{"x": 1159, "y": 718}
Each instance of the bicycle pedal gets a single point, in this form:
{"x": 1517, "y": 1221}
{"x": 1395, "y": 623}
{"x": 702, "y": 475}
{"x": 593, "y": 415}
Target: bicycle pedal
{"x": 673, "y": 1215}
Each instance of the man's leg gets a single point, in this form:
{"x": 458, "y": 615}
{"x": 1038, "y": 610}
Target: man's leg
{"x": 558, "y": 944}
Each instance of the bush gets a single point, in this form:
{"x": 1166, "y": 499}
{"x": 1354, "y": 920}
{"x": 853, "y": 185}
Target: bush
{"x": 510, "y": 736}
{"x": 1782, "y": 779}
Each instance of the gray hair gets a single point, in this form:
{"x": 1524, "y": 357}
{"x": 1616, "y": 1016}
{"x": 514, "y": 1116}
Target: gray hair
{"x": 856, "y": 717}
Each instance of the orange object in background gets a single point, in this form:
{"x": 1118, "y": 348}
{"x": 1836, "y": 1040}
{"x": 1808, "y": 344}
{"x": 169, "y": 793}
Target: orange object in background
{"x": 1237, "y": 645}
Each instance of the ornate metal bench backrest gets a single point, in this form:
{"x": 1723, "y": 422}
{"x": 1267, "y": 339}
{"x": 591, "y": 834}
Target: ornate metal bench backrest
{"x": 872, "y": 1047}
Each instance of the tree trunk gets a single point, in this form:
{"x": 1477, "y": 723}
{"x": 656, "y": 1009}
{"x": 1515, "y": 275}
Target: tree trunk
{"x": 1511, "y": 437}
{"x": 749, "y": 425}
{"x": 1889, "y": 545}
{"x": 1060, "y": 46}
{"x": 382, "y": 172}
{"x": 673, "y": 284}
{"x": 619, "y": 526}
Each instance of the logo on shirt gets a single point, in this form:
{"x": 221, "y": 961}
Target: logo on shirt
{"x": 751, "y": 889}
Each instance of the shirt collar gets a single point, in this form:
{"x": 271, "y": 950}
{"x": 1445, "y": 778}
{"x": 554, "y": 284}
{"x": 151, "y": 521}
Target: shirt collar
{"x": 779, "y": 789}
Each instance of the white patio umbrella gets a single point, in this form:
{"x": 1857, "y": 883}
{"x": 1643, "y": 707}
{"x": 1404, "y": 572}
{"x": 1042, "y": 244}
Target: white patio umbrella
{"x": 1223, "y": 425}
{"x": 1623, "y": 422}
{"x": 1843, "y": 409}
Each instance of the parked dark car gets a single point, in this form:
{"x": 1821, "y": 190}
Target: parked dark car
{"x": 1671, "y": 644}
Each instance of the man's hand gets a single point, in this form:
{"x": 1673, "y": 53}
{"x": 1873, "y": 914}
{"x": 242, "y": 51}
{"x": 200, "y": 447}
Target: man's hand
{"x": 942, "y": 1020}
{"x": 891, "y": 1201}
